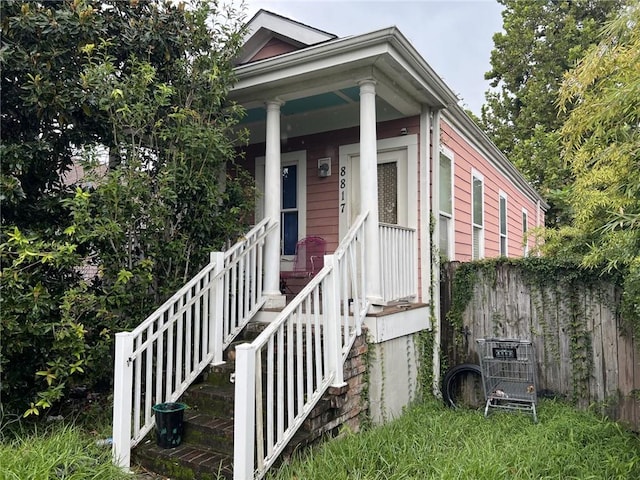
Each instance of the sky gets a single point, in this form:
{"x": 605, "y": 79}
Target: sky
{"x": 455, "y": 37}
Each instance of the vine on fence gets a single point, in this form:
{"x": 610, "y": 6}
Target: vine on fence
{"x": 554, "y": 285}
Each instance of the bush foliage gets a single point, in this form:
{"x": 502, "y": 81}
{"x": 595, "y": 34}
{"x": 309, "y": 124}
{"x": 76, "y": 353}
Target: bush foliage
{"x": 133, "y": 96}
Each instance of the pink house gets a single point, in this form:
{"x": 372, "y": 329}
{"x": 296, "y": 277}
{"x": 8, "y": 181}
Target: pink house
{"x": 339, "y": 113}
{"x": 358, "y": 141}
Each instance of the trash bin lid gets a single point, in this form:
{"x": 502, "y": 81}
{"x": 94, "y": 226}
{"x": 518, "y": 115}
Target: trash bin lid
{"x": 169, "y": 407}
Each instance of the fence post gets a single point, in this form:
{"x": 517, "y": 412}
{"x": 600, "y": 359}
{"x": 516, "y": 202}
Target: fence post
{"x": 333, "y": 333}
{"x": 244, "y": 412}
{"x": 122, "y": 388}
{"x": 216, "y": 307}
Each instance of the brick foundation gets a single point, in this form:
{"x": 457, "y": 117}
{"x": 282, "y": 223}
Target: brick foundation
{"x": 340, "y": 407}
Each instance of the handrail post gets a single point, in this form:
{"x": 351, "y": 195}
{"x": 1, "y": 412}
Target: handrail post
{"x": 216, "y": 307}
{"x": 332, "y": 317}
{"x": 122, "y": 388}
{"x": 244, "y": 412}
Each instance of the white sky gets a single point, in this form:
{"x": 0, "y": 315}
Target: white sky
{"x": 453, "y": 36}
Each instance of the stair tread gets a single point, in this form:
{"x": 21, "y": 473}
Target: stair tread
{"x": 196, "y": 458}
{"x": 214, "y": 389}
{"x": 219, "y": 426}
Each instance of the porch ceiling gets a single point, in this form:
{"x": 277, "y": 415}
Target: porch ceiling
{"x": 319, "y": 84}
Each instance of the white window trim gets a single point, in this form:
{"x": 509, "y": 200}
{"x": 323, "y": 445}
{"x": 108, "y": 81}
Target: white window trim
{"x": 477, "y": 175}
{"x": 504, "y": 235}
{"x": 447, "y": 152}
{"x": 525, "y": 240}
{"x": 299, "y": 158}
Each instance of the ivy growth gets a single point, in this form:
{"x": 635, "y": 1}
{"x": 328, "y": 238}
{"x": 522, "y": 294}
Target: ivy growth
{"x": 558, "y": 287}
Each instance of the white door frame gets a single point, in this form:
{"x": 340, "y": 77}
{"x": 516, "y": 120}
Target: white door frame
{"x": 407, "y": 178}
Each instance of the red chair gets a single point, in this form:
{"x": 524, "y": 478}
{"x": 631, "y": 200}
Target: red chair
{"x": 308, "y": 260}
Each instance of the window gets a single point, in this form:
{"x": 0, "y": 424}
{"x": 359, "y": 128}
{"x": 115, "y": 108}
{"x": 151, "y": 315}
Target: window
{"x": 388, "y": 192}
{"x": 292, "y": 200}
{"x": 445, "y": 226}
{"x": 525, "y": 227}
{"x": 503, "y": 224}
{"x": 477, "y": 215}
{"x": 289, "y": 209}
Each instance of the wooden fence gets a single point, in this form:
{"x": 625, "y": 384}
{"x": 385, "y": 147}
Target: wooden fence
{"x": 584, "y": 351}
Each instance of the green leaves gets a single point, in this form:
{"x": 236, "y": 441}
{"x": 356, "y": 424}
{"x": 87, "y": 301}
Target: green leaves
{"x": 116, "y": 146}
{"x": 601, "y": 144}
{"x": 540, "y": 42}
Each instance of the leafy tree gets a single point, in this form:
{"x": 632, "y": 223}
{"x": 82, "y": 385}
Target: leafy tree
{"x": 146, "y": 82}
{"x": 540, "y": 42}
{"x": 601, "y": 140}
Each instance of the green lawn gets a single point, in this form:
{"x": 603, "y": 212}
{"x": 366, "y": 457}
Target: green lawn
{"x": 432, "y": 441}
{"x": 56, "y": 451}
{"x": 429, "y": 441}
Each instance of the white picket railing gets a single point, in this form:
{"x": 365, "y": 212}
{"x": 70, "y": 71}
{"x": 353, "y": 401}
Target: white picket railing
{"x": 303, "y": 351}
{"x": 399, "y": 262}
{"x": 157, "y": 361}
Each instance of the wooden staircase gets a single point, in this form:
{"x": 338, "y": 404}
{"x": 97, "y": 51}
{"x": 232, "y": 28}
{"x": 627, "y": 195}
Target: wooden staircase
{"x": 206, "y": 450}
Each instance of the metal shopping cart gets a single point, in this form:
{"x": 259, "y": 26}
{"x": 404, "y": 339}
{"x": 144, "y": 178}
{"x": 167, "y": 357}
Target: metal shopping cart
{"x": 508, "y": 374}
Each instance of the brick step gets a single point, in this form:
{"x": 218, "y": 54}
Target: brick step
{"x": 251, "y": 332}
{"x": 185, "y": 462}
{"x": 206, "y": 431}
{"x": 218, "y": 375}
{"x": 214, "y": 400}
{"x": 206, "y": 451}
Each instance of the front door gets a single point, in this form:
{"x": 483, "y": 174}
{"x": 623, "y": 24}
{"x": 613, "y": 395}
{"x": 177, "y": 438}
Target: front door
{"x": 392, "y": 188}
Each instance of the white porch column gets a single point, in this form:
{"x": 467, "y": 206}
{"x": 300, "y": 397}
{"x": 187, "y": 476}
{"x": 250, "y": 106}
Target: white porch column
{"x": 272, "y": 196}
{"x": 369, "y": 187}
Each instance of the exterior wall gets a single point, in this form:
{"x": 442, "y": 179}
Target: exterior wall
{"x": 466, "y": 160}
{"x": 394, "y": 359}
{"x": 393, "y": 377}
{"x": 273, "y": 48}
{"x": 322, "y": 193}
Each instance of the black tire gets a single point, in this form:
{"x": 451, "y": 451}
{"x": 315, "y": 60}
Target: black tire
{"x": 453, "y": 378}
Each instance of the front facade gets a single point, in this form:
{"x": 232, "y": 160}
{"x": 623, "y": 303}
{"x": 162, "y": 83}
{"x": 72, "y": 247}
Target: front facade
{"x": 357, "y": 143}
{"x": 328, "y": 115}
{"x": 345, "y": 126}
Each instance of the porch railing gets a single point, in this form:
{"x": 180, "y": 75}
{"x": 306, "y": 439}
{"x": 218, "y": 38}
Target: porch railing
{"x": 399, "y": 262}
{"x": 157, "y": 361}
{"x": 303, "y": 351}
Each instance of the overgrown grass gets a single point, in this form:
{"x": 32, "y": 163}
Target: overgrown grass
{"x": 431, "y": 441}
{"x": 57, "y": 452}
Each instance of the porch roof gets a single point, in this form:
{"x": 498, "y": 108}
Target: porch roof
{"x": 322, "y": 76}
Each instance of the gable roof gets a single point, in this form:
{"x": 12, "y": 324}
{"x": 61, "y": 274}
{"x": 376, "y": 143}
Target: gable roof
{"x": 267, "y": 27}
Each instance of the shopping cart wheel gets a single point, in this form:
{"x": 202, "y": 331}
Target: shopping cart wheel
{"x": 457, "y": 376}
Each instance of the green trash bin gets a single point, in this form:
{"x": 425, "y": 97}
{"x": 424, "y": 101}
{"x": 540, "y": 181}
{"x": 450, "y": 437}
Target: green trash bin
{"x": 169, "y": 423}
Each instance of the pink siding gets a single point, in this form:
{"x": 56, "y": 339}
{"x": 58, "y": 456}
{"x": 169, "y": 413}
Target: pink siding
{"x": 466, "y": 158}
{"x": 322, "y": 193}
{"x": 273, "y": 48}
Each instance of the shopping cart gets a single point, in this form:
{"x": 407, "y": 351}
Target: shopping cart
{"x": 508, "y": 374}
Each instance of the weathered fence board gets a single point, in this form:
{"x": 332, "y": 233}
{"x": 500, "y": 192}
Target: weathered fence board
{"x": 584, "y": 350}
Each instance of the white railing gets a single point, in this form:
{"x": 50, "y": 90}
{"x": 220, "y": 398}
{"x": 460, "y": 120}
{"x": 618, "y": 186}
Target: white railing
{"x": 399, "y": 262}
{"x": 303, "y": 352}
{"x": 157, "y": 361}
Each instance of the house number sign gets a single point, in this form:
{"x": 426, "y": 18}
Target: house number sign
{"x": 343, "y": 188}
